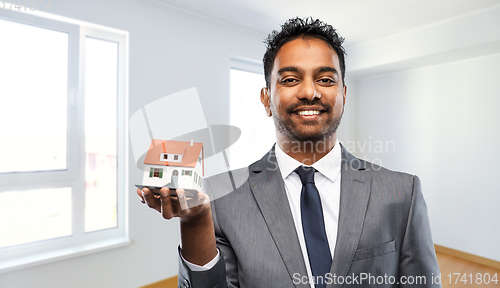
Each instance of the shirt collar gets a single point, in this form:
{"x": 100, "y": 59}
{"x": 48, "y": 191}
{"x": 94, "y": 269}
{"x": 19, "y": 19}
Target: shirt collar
{"x": 329, "y": 165}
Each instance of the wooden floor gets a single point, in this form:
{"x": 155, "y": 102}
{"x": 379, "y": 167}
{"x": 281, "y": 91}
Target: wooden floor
{"x": 448, "y": 264}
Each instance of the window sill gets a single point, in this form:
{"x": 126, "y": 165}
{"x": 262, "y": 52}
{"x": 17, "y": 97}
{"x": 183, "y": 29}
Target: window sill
{"x": 61, "y": 254}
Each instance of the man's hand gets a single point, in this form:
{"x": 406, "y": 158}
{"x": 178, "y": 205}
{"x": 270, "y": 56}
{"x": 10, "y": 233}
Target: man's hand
{"x": 197, "y": 227}
{"x": 175, "y": 206}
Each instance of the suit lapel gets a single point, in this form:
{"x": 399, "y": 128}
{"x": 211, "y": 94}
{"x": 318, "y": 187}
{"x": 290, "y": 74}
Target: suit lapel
{"x": 268, "y": 189}
{"x": 354, "y": 197}
{"x": 269, "y": 192}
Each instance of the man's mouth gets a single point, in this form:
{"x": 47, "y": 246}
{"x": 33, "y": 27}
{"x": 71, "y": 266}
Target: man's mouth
{"x": 308, "y": 112}
{"x": 309, "y": 109}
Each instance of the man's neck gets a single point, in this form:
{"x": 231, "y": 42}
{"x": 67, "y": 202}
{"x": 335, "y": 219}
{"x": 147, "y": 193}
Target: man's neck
{"x": 307, "y": 152}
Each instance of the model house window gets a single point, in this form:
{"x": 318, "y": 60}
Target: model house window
{"x": 175, "y": 173}
{"x": 187, "y": 172}
{"x": 257, "y": 136}
{"x": 176, "y": 157}
{"x": 165, "y": 156}
{"x": 76, "y": 183}
{"x": 157, "y": 172}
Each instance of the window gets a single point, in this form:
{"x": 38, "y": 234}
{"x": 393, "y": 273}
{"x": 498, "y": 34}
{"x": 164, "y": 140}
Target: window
{"x": 69, "y": 102}
{"x": 165, "y": 156}
{"x": 176, "y": 157}
{"x": 257, "y": 136}
{"x": 156, "y": 172}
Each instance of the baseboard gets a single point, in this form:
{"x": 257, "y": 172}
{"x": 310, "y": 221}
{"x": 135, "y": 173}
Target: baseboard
{"x": 166, "y": 283}
{"x": 468, "y": 256}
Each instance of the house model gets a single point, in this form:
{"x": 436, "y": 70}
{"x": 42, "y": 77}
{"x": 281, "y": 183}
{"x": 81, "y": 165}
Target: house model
{"x": 174, "y": 164}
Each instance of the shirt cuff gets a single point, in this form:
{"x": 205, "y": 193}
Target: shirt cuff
{"x": 208, "y": 266}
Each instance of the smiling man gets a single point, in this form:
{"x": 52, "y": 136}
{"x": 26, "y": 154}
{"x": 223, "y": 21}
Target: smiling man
{"x": 310, "y": 213}
{"x": 305, "y": 95}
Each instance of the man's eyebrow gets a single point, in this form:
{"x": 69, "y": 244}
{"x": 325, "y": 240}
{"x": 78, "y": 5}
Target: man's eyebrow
{"x": 326, "y": 69}
{"x": 288, "y": 69}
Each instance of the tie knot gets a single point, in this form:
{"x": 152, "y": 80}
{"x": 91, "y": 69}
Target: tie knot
{"x": 306, "y": 174}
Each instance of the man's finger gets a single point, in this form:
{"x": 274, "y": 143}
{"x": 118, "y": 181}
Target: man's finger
{"x": 203, "y": 198}
{"x": 196, "y": 202}
{"x": 151, "y": 200}
{"x": 139, "y": 193}
{"x": 181, "y": 194}
{"x": 166, "y": 203}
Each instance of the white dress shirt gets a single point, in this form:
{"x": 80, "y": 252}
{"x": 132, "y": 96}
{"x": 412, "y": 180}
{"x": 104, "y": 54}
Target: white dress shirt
{"x": 327, "y": 180}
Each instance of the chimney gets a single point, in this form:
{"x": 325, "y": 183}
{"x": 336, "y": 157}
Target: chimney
{"x": 192, "y": 142}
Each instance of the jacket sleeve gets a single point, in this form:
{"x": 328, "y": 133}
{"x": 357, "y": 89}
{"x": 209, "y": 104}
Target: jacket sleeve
{"x": 225, "y": 272}
{"x": 418, "y": 257}
{"x": 212, "y": 278}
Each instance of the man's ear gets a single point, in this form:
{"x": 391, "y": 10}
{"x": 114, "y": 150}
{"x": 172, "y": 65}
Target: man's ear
{"x": 264, "y": 98}
{"x": 345, "y": 93}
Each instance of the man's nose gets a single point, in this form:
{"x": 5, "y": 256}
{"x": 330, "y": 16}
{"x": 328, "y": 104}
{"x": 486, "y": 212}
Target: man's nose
{"x": 308, "y": 90}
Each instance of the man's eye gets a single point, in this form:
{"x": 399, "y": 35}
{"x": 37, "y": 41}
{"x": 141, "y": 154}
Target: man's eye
{"x": 288, "y": 80}
{"x": 326, "y": 80}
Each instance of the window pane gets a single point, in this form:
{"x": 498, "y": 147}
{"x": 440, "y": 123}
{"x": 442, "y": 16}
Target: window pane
{"x": 33, "y": 98}
{"x": 34, "y": 215}
{"x": 101, "y": 75}
{"x": 257, "y": 135}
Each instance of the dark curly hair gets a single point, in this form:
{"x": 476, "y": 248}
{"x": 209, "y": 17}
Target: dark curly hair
{"x": 301, "y": 28}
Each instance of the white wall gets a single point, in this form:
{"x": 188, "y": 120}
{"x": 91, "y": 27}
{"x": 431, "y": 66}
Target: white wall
{"x": 471, "y": 35}
{"x": 170, "y": 51}
{"x": 445, "y": 123}
{"x": 348, "y": 129}
{"x": 427, "y": 103}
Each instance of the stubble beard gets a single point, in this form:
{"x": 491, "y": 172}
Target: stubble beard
{"x": 287, "y": 128}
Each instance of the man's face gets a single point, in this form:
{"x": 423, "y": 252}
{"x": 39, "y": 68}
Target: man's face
{"x": 307, "y": 96}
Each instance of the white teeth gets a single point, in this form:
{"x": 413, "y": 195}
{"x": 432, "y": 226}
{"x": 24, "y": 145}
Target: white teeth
{"x": 308, "y": 112}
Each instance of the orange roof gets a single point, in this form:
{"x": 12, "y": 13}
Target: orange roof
{"x": 189, "y": 153}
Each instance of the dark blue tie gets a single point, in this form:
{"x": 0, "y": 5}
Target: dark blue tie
{"x": 313, "y": 226}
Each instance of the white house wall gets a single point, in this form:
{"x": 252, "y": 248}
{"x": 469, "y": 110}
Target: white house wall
{"x": 156, "y": 181}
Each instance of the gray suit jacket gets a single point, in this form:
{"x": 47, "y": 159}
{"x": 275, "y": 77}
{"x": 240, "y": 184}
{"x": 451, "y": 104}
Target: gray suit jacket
{"x": 383, "y": 231}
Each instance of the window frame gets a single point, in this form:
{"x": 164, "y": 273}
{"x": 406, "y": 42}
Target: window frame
{"x": 80, "y": 242}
